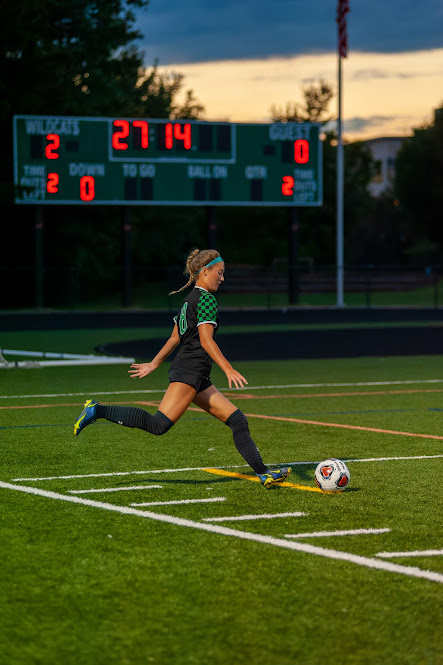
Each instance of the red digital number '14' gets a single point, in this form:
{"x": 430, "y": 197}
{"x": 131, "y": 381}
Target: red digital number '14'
{"x": 177, "y": 132}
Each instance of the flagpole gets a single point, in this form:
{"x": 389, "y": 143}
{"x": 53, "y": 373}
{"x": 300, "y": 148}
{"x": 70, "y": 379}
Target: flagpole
{"x": 342, "y": 10}
{"x": 340, "y": 179}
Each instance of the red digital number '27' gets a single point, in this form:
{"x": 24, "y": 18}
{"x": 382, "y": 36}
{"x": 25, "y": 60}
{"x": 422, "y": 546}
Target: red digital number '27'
{"x": 123, "y": 133}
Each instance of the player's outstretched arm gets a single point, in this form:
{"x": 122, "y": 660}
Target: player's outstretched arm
{"x": 206, "y": 332}
{"x": 139, "y": 370}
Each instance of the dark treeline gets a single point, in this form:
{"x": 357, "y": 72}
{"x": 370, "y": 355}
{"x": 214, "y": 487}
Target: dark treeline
{"x": 80, "y": 57}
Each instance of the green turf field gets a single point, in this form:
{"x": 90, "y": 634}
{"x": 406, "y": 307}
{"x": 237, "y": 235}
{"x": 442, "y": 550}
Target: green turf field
{"x": 91, "y": 577}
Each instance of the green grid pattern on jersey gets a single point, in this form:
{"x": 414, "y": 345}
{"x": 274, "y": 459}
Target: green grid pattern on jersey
{"x": 206, "y": 308}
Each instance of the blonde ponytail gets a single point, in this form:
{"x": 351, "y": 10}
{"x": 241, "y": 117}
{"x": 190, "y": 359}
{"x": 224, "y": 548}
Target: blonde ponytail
{"x": 194, "y": 263}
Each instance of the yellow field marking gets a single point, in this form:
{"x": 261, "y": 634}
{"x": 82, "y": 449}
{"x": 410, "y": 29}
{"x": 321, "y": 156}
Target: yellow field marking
{"x": 255, "y": 479}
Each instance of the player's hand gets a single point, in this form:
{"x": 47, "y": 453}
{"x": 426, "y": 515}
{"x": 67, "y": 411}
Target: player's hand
{"x": 235, "y": 378}
{"x": 139, "y": 370}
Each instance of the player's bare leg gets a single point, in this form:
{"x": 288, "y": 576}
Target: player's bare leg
{"x": 213, "y": 402}
{"x": 176, "y": 400}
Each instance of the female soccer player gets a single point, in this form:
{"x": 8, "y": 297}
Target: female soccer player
{"x": 189, "y": 375}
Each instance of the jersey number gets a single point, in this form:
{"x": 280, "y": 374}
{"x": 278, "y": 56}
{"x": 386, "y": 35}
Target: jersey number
{"x": 183, "y": 323}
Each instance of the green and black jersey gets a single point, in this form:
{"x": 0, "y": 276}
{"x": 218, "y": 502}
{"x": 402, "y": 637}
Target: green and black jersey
{"x": 198, "y": 307}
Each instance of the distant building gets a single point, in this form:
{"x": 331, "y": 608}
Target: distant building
{"x": 384, "y": 153}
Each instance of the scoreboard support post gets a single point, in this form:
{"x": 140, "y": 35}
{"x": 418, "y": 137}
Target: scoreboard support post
{"x": 127, "y": 257}
{"x": 211, "y": 226}
{"x": 39, "y": 265}
{"x": 293, "y": 285}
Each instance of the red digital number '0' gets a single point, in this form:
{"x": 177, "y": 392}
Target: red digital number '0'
{"x": 87, "y": 188}
{"x": 301, "y": 151}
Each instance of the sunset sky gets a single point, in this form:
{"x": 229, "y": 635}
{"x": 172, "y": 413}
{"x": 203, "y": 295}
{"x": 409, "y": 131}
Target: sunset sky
{"x": 242, "y": 56}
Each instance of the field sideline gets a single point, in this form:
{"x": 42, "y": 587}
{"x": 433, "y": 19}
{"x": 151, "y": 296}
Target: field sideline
{"x": 121, "y": 548}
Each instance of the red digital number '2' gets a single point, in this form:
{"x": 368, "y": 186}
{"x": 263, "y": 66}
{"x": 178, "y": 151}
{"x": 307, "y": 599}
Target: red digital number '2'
{"x": 53, "y": 145}
{"x": 123, "y": 134}
{"x": 52, "y": 184}
{"x": 287, "y": 188}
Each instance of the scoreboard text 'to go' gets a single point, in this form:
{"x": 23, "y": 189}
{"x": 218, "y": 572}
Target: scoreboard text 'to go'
{"x": 133, "y": 161}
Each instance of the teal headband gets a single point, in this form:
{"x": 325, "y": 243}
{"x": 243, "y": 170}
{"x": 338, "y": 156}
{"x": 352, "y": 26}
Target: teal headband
{"x": 211, "y": 263}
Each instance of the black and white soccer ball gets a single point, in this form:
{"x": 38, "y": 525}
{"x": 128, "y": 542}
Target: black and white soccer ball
{"x": 332, "y": 475}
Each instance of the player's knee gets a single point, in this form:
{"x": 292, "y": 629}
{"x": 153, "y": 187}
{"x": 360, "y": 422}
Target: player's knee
{"x": 161, "y": 424}
{"x": 237, "y": 421}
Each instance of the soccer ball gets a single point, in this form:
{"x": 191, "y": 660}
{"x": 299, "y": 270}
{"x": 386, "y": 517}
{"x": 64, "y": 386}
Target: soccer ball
{"x": 332, "y": 475}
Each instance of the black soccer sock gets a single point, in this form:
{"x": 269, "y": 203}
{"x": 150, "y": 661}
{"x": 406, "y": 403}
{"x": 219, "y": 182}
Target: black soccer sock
{"x": 244, "y": 443}
{"x": 130, "y": 416}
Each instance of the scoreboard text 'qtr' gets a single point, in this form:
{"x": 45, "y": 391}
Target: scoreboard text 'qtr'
{"x": 133, "y": 161}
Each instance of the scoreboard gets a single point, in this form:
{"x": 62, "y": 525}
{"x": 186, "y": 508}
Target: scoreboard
{"x": 132, "y": 161}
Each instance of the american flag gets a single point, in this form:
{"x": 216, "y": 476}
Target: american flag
{"x": 342, "y": 9}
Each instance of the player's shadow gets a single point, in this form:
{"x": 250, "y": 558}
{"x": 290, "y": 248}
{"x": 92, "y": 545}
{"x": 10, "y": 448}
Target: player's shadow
{"x": 302, "y": 472}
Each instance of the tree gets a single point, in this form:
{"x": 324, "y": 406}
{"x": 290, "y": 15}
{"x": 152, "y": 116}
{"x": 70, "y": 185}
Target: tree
{"x": 419, "y": 189}
{"x": 316, "y": 102}
{"x": 78, "y": 57}
{"x": 74, "y": 57}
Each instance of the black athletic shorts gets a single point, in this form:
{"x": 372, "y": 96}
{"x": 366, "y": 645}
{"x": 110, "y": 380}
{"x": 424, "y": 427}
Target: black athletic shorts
{"x": 200, "y": 383}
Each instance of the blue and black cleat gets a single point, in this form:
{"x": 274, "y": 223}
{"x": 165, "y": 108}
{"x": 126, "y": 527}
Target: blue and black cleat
{"x": 271, "y": 477}
{"x": 87, "y": 416}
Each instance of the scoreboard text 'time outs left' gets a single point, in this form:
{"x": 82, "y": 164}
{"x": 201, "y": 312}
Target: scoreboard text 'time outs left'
{"x": 132, "y": 161}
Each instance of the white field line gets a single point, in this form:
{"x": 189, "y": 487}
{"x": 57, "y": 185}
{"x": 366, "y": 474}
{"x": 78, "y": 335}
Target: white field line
{"x": 117, "y": 489}
{"x": 48, "y": 354}
{"x": 115, "y": 473}
{"x": 202, "y": 468}
{"x": 97, "y": 360}
{"x": 394, "y": 459}
{"x": 241, "y": 518}
{"x": 270, "y": 387}
{"x": 367, "y": 562}
{"x": 328, "y": 534}
{"x": 391, "y": 555}
{"x": 179, "y": 502}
